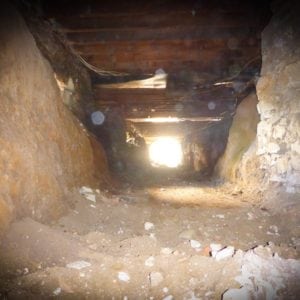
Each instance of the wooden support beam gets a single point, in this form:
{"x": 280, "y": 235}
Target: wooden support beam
{"x": 166, "y": 46}
{"x": 145, "y": 96}
{"x": 170, "y": 32}
{"x": 205, "y": 19}
{"x": 173, "y": 129}
{"x": 96, "y": 8}
{"x": 217, "y": 63}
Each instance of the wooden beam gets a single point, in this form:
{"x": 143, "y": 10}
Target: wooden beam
{"x": 150, "y": 96}
{"x": 216, "y": 19}
{"x": 176, "y": 110}
{"x": 170, "y": 32}
{"x": 205, "y": 61}
{"x": 154, "y": 48}
{"x": 91, "y": 9}
{"x": 174, "y": 120}
{"x": 173, "y": 129}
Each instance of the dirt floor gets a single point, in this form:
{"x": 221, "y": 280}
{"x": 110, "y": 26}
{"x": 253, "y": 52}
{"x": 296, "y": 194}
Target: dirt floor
{"x": 167, "y": 242}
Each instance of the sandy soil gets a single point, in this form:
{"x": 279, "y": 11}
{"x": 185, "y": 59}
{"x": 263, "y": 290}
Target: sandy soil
{"x": 153, "y": 244}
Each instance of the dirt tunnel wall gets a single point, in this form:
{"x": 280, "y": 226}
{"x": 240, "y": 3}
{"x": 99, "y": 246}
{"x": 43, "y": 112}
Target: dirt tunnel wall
{"x": 44, "y": 151}
{"x": 270, "y": 163}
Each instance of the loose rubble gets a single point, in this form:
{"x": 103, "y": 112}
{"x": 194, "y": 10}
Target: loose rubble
{"x": 78, "y": 265}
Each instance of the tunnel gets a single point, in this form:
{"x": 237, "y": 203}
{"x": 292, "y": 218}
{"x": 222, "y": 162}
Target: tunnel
{"x": 150, "y": 149}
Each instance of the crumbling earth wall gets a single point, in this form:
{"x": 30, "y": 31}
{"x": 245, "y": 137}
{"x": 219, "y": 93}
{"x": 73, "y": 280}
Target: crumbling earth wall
{"x": 44, "y": 152}
{"x": 271, "y": 163}
{"x": 238, "y": 162}
{"x": 278, "y": 89}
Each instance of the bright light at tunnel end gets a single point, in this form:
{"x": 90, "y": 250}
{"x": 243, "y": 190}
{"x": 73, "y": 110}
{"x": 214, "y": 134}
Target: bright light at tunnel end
{"x": 166, "y": 151}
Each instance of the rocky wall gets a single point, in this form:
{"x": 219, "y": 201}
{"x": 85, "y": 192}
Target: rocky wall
{"x": 45, "y": 153}
{"x": 203, "y": 147}
{"x": 234, "y": 165}
{"x": 278, "y": 89}
{"x": 71, "y": 76}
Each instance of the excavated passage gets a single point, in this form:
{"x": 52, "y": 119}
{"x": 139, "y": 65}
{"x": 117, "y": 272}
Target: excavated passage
{"x": 137, "y": 246}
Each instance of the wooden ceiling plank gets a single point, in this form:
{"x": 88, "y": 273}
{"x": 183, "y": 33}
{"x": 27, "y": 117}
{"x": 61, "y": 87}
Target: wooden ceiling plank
{"x": 173, "y": 32}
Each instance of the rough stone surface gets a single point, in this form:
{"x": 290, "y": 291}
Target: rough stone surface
{"x": 72, "y": 77}
{"x": 238, "y": 151}
{"x": 278, "y": 89}
{"x": 44, "y": 152}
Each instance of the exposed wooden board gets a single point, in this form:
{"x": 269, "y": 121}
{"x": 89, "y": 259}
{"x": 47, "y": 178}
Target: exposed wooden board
{"x": 168, "y": 32}
{"x": 157, "y": 19}
{"x": 174, "y": 120}
{"x": 172, "y": 129}
{"x": 190, "y": 110}
{"x": 152, "y": 96}
{"x": 90, "y": 9}
{"x": 168, "y": 45}
{"x": 159, "y": 81}
{"x": 137, "y": 56}
{"x": 217, "y": 64}
{"x": 177, "y": 49}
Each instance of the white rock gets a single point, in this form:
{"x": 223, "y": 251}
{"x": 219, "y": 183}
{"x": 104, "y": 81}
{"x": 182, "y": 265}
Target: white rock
{"x": 215, "y": 248}
{"x": 155, "y": 278}
{"x": 225, "y": 253}
{"x": 78, "y": 265}
{"x": 166, "y": 251}
{"x": 149, "y": 262}
{"x": 148, "y": 226}
{"x": 57, "y": 291}
{"x": 279, "y": 132}
{"x": 273, "y": 148}
{"x": 195, "y": 244}
{"x": 296, "y": 147}
{"x": 220, "y": 216}
{"x": 187, "y": 234}
{"x": 165, "y": 289}
{"x": 123, "y": 276}
{"x": 237, "y": 294}
{"x": 84, "y": 190}
{"x": 250, "y": 216}
{"x": 90, "y": 197}
{"x": 169, "y": 297}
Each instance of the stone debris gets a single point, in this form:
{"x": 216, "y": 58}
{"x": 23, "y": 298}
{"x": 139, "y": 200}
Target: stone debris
{"x": 90, "y": 197}
{"x": 274, "y": 231}
{"x": 224, "y": 253}
{"x": 57, "y": 291}
{"x": 237, "y": 294}
{"x": 250, "y": 216}
{"x": 263, "y": 276}
{"x": 85, "y": 190}
{"x": 149, "y": 262}
{"x": 148, "y": 226}
{"x": 191, "y": 296}
{"x": 155, "y": 278}
{"x": 215, "y": 248}
{"x": 166, "y": 251}
{"x": 195, "y": 244}
{"x": 87, "y": 193}
{"x": 220, "y": 216}
{"x": 169, "y": 297}
{"x": 123, "y": 276}
{"x": 78, "y": 265}
{"x": 187, "y": 234}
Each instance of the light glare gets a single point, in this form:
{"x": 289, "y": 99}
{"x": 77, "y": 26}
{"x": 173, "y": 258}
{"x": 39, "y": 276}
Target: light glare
{"x": 166, "y": 151}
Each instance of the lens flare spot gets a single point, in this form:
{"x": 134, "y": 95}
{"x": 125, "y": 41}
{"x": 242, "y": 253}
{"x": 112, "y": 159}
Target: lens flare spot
{"x": 166, "y": 151}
